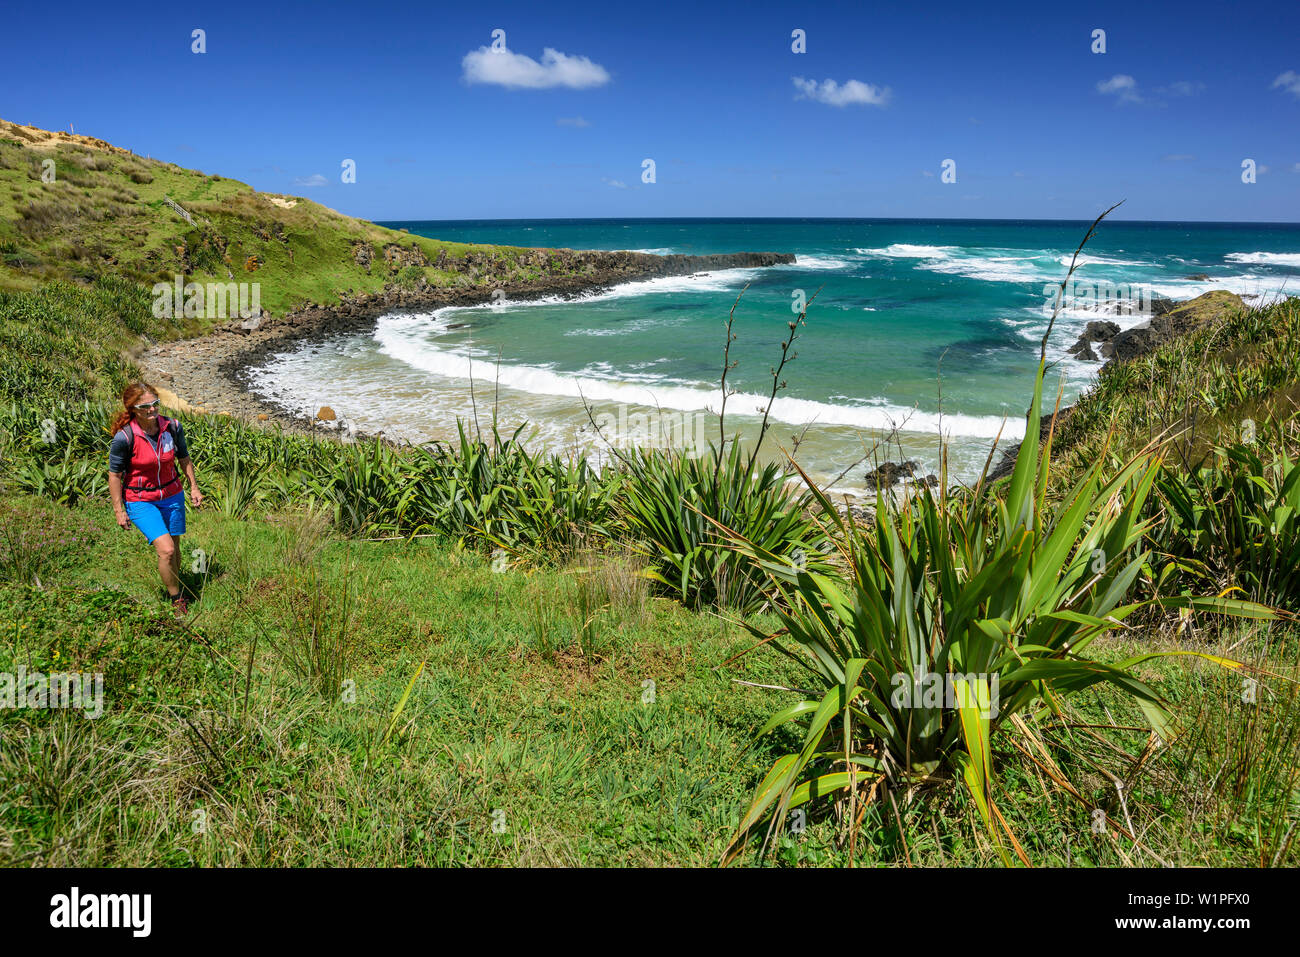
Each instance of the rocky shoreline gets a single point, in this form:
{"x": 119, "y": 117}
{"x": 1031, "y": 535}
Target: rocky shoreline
{"x": 205, "y": 374}
{"x": 1169, "y": 320}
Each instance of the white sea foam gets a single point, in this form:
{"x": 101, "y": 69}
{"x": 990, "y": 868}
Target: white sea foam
{"x": 1085, "y": 260}
{"x": 599, "y": 384}
{"x": 803, "y": 261}
{"x": 1002, "y": 265}
{"x": 990, "y": 269}
{"x": 1244, "y": 284}
{"x": 717, "y": 281}
{"x": 1265, "y": 259}
{"x": 909, "y": 251}
{"x": 992, "y": 265}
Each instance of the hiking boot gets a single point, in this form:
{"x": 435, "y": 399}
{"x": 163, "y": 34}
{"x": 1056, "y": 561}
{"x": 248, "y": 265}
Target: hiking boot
{"x": 180, "y": 608}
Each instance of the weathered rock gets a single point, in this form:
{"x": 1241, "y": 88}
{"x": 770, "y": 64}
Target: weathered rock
{"x": 326, "y": 414}
{"x": 1101, "y": 330}
{"x": 1199, "y": 277}
{"x": 1169, "y": 320}
{"x": 399, "y": 257}
{"x": 889, "y": 474}
{"x": 860, "y": 515}
{"x": 1186, "y": 316}
{"x": 1082, "y": 350}
{"x": 1131, "y": 343}
{"x": 1098, "y": 330}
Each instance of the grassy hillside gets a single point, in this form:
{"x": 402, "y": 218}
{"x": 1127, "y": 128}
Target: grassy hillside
{"x": 106, "y": 212}
{"x": 475, "y": 655}
{"x": 523, "y": 706}
{"x": 528, "y": 678}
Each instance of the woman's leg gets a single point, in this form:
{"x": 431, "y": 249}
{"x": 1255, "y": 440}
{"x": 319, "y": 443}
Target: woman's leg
{"x": 168, "y": 563}
{"x": 176, "y": 559}
{"x": 173, "y": 513}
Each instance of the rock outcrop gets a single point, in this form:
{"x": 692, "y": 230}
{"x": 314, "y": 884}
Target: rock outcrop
{"x": 889, "y": 474}
{"x": 1096, "y": 331}
{"x": 1169, "y": 320}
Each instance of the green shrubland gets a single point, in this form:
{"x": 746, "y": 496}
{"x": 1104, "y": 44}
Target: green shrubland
{"x": 476, "y": 653}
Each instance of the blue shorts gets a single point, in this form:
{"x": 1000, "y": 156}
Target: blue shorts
{"x": 156, "y": 519}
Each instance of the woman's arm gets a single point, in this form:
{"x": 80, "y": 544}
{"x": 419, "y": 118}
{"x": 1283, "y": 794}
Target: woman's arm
{"x": 187, "y": 466}
{"x": 115, "y": 494}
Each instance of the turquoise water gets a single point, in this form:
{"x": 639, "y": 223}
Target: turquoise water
{"x": 904, "y": 307}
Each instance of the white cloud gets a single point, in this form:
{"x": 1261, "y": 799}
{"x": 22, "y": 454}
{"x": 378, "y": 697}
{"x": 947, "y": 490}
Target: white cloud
{"x": 1177, "y": 157}
{"x": 1124, "y": 85}
{"x": 1181, "y": 88}
{"x": 315, "y": 179}
{"x": 616, "y": 183}
{"x": 516, "y": 71}
{"x": 1296, "y": 168}
{"x": 577, "y": 121}
{"x": 1289, "y": 81}
{"x": 833, "y": 94}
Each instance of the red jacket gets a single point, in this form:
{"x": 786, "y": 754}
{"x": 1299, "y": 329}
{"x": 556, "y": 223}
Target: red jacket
{"x": 151, "y": 476}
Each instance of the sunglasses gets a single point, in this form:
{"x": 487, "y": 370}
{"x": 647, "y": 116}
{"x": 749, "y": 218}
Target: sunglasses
{"x": 147, "y": 406}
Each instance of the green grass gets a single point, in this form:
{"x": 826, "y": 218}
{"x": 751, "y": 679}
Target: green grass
{"x": 561, "y": 741}
{"x": 213, "y": 723}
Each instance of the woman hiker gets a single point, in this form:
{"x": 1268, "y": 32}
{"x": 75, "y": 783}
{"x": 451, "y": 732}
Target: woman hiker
{"x": 143, "y": 479}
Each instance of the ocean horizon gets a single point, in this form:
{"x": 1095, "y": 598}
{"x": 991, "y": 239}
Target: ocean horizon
{"x": 924, "y": 332}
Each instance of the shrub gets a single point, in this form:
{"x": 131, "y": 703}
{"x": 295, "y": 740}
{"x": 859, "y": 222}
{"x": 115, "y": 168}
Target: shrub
{"x": 954, "y": 615}
{"x": 65, "y": 342}
{"x": 1233, "y": 524}
{"x": 676, "y": 507}
{"x": 409, "y": 277}
{"x": 65, "y": 481}
{"x": 502, "y": 496}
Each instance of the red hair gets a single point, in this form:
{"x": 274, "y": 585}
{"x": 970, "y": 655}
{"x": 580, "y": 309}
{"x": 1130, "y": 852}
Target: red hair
{"x": 130, "y": 396}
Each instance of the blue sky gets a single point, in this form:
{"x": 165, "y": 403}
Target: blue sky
{"x": 736, "y": 123}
